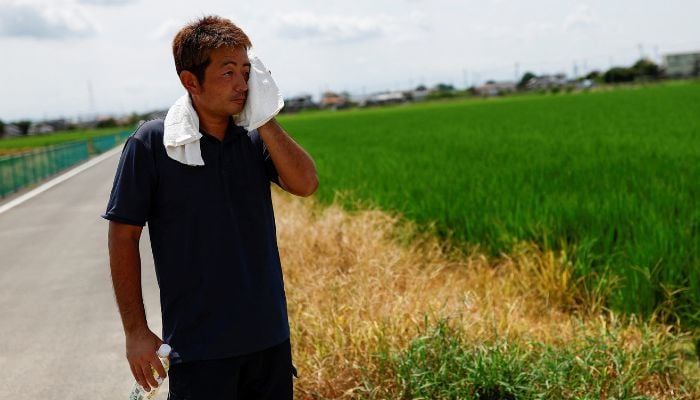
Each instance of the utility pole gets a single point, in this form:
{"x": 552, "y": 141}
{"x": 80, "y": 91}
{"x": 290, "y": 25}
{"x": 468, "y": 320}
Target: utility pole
{"x": 91, "y": 101}
{"x": 657, "y": 59}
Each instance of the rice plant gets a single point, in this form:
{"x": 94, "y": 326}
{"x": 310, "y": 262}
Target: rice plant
{"x": 610, "y": 179}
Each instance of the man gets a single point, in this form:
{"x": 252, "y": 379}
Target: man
{"x": 212, "y": 233}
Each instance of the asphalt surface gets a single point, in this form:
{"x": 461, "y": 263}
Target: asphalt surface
{"x": 60, "y": 332}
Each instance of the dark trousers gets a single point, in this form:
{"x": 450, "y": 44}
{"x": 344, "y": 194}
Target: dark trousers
{"x": 263, "y": 375}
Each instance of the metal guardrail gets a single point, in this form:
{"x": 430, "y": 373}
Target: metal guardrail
{"x": 20, "y": 170}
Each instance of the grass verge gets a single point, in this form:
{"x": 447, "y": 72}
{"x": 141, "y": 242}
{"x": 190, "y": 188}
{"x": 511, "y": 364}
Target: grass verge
{"x": 375, "y": 317}
{"x": 20, "y": 144}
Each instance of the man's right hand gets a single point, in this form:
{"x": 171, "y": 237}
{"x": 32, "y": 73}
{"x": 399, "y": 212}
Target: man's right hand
{"x": 141, "y": 348}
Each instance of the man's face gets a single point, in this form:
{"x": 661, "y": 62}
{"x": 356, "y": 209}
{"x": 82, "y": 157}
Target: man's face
{"x": 225, "y": 87}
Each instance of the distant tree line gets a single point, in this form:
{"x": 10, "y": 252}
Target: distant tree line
{"x": 23, "y": 127}
{"x": 642, "y": 70}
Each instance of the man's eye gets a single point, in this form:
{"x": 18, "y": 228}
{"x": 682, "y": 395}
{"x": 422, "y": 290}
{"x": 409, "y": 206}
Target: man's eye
{"x": 229, "y": 73}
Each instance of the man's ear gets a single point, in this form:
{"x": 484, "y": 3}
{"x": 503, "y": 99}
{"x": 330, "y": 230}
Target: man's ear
{"x": 190, "y": 82}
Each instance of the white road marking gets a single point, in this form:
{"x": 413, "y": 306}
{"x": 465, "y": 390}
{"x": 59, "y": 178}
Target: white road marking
{"x": 61, "y": 178}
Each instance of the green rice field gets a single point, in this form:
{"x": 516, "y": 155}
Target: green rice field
{"x": 612, "y": 178}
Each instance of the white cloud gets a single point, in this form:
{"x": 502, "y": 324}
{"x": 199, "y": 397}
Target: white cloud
{"x": 581, "y": 18}
{"x": 166, "y": 30}
{"x": 329, "y": 28}
{"x": 31, "y": 19}
{"x": 536, "y": 30}
{"x": 106, "y": 2}
{"x": 348, "y": 29}
{"x": 492, "y": 31}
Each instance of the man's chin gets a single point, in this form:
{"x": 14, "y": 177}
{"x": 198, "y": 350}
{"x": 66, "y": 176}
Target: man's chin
{"x": 237, "y": 109}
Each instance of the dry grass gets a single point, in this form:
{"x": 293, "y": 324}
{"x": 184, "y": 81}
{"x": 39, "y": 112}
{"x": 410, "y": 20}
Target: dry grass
{"x": 354, "y": 289}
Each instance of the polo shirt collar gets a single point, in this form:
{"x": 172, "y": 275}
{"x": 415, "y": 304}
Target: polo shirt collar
{"x": 233, "y": 132}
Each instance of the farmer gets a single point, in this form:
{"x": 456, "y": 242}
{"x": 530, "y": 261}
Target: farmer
{"x": 211, "y": 228}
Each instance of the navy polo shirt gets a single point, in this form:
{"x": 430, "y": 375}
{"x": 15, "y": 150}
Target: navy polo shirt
{"x": 213, "y": 238}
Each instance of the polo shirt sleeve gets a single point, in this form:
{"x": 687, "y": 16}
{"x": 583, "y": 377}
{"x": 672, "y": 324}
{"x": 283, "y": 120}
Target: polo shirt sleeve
{"x": 134, "y": 183}
{"x": 270, "y": 170}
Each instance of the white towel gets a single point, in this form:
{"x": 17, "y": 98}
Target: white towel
{"x": 264, "y": 97}
{"x": 181, "y": 132}
{"x": 181, "y": 126}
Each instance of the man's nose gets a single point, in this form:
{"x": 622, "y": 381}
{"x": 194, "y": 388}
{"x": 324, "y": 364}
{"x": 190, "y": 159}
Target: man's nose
{"x": 241, "y": 85}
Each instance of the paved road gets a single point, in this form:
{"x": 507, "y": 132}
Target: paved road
{"x": 60, "y": 333}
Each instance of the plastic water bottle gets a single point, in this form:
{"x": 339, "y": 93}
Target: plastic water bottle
{"x": 138, "y": 392}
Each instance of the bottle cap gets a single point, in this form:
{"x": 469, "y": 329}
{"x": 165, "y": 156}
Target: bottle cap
{"x": 164, "y": 350}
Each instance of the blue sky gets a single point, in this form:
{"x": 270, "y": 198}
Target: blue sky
{"x": 67, "y": 58}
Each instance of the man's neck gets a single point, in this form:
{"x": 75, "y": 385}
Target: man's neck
{"x": 214, "y": 125}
